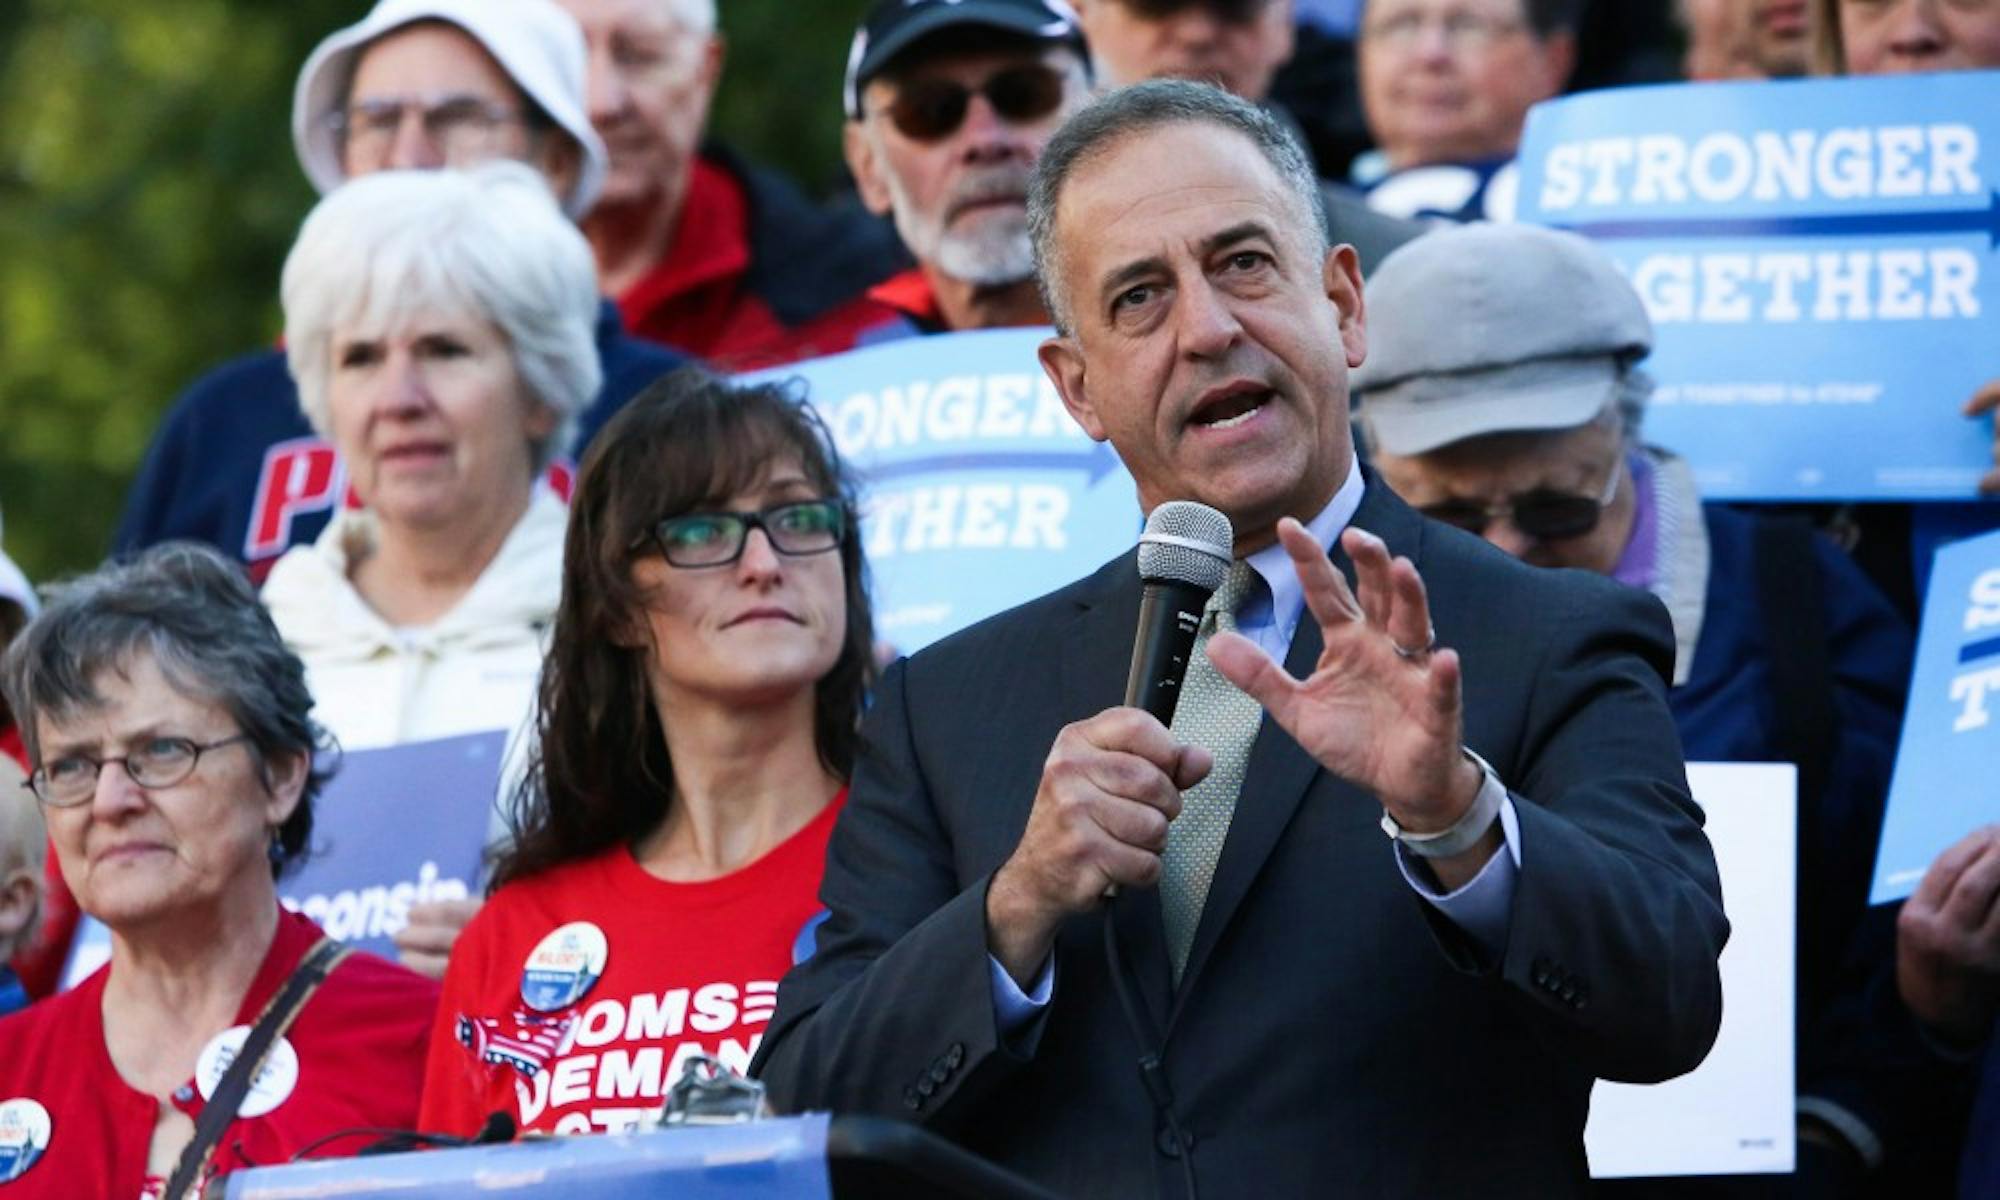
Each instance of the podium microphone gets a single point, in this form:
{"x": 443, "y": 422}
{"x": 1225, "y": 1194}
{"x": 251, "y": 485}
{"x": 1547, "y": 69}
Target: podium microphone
{"x": 1184, "y": 555}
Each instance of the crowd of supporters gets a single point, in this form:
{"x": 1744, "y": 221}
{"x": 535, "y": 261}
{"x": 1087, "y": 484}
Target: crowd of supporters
{"x": 496, "y": 478}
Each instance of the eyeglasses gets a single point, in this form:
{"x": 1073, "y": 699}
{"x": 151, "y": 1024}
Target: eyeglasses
{"x": 1462, "y": 30}
{"x": 716, "y": 539}
{"x": 1543, "y": 514}
{"x": 929, "y": 108}
{"x": 1230, "y": 12}
{"x": 160, "y": 762}
{"x": 464, "y": 129}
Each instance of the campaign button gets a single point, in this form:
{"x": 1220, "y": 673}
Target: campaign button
{"x": 274, "y": 1081}
{"x": 563, "y": 967}
{"x": 24, "y": 1136}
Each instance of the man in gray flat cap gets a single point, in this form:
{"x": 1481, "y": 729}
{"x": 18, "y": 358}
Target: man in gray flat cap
{"x": 1502, "y": 394}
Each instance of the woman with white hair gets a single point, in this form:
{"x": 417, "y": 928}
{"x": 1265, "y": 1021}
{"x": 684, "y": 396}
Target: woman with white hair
{"x": 439, "y": 325}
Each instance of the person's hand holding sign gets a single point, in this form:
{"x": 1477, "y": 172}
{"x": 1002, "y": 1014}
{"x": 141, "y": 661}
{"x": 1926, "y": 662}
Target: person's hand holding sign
{"x": 1948, "y": 940}
{"x": 1382, "y": 707}
{"x": 1986, "y": 403}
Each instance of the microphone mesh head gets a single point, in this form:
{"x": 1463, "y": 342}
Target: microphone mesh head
{"x": 1204, "y": 563}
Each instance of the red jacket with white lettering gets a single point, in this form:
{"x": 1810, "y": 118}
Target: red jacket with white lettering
{"x": 690, "y": 968}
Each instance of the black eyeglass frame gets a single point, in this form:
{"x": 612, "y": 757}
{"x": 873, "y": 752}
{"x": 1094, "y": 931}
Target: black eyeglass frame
{"x": 745, "y": 522}
{"x": 38, "y": 782}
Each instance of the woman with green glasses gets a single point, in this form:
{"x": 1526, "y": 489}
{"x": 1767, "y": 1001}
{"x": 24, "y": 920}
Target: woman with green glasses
{"x": 696, "y": 726}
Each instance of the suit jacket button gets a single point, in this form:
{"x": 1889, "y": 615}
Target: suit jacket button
{"x": 1164, "y": 1140}
{"x": 911, "y": 1100}
{"x": 955, "y": 1056}
{"x": 926, "y": 1088}
{"x": 940, "y": 1073}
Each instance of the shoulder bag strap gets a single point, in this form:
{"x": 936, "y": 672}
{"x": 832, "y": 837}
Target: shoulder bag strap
{"x": 222, "y": 1106}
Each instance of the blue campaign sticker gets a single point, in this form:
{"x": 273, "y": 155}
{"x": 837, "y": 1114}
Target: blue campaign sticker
{"x": 804, "y": 945}
{"x": 1941, "y": 789}
{"x": 563, "y": 967}
{"x": 1818, "y": 259}
{"x": 24, "y": 1136}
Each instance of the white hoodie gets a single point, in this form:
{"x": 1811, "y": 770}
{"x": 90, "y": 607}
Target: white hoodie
{"x": 472, "y": 669}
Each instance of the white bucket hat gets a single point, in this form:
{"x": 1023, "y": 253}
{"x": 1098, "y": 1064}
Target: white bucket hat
{"x": 534, "y": 41}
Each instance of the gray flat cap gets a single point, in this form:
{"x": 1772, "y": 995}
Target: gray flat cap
{"x": 1486, "y": 328}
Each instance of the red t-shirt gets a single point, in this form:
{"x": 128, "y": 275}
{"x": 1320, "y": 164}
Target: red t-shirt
{"x": 357, "y": 1044}
{"x": 687, "y": 968}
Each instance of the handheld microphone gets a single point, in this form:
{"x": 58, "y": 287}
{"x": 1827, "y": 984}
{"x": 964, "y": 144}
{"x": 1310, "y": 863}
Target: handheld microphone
{"x": 1184, "y": 555}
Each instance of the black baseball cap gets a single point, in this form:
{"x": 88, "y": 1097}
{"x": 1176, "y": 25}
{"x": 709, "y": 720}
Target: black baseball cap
{"x": 891, "y": 26}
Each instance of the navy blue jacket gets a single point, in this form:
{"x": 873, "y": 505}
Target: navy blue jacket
{"x": 235, "y": 465}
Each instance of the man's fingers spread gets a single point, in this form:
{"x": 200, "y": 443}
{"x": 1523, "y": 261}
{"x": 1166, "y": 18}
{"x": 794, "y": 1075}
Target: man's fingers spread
{"x": 1410, "y": 622}
{"x": 1245, "y": 664}
{"x": 1327, "y": 595}
{"x": 1372, "y": 586}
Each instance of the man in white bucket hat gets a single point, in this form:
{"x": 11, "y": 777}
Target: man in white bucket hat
{"x": 415, "y": 84}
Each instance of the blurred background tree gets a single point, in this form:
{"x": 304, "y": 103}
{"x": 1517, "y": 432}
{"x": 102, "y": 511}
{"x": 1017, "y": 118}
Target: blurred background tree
{"x": 148, "y": 193}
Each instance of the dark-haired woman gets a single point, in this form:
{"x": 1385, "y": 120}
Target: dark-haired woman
{"x": 173, "y": 759}
{"x": 697, "y": 723}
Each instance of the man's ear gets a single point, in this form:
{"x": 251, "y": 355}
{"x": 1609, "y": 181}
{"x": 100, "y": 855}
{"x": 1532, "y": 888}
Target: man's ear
{"x": 859, "y": 150}
{"x": 1342, "y": 279}
{"x": 1062, "y": 361}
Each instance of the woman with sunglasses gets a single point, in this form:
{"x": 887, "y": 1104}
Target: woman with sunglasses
{"x": 697, "y": 723}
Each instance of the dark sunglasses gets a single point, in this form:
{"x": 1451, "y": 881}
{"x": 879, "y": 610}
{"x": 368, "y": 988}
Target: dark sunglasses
{"x": 1543, "y": 514}
{"x": 1233, "y": 12}
{"x": 926, "y": 109}
{"x": 716, "y": 539}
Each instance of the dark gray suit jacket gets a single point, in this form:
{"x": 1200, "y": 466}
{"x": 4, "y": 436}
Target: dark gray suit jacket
{"x": 1333, "y": 1035}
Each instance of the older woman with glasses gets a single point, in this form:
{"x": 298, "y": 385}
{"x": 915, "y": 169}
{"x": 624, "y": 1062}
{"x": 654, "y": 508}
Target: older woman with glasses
{"x": 173, "y": 757}
{"x": 697, "y": 723}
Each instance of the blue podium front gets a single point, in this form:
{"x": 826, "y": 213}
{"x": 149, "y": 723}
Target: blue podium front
{"x": 780, "y": 1159}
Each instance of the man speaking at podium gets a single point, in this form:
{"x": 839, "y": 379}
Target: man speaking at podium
{"x": 1323, "y": 1010}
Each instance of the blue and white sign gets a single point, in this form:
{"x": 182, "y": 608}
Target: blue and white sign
{"x": 979, "y": 491}
{"x": 397, "y": 826}
{"x": 1818, "y": 257}
{"x": 1943, "y": 787}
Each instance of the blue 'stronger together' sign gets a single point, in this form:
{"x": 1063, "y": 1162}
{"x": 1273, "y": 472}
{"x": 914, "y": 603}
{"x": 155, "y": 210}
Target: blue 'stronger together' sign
{"x": 1818, "y": 257}
{"x": 1944, "y": 784}
{"x": 979, "y": 491}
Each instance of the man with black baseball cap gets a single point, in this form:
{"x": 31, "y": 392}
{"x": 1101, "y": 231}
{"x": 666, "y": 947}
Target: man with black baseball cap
{"x": 949, "y": 103}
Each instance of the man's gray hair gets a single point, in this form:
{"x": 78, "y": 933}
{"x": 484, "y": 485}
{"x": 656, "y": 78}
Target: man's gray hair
{"x": 1120, "y": 114}
{"x": 393, "y": 247}
{"x": 195, "y": 615}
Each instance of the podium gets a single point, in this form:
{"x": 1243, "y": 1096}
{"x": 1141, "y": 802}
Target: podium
{"x": 812, "y": 1157}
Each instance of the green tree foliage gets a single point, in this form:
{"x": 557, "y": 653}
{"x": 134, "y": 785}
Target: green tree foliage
{"x": 149, "y": 192}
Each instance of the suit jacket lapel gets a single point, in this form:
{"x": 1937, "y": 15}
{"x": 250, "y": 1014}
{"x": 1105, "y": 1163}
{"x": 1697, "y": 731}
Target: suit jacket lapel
{"x": 1279, "y": 773}
{"x": 1097, "y": 655}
